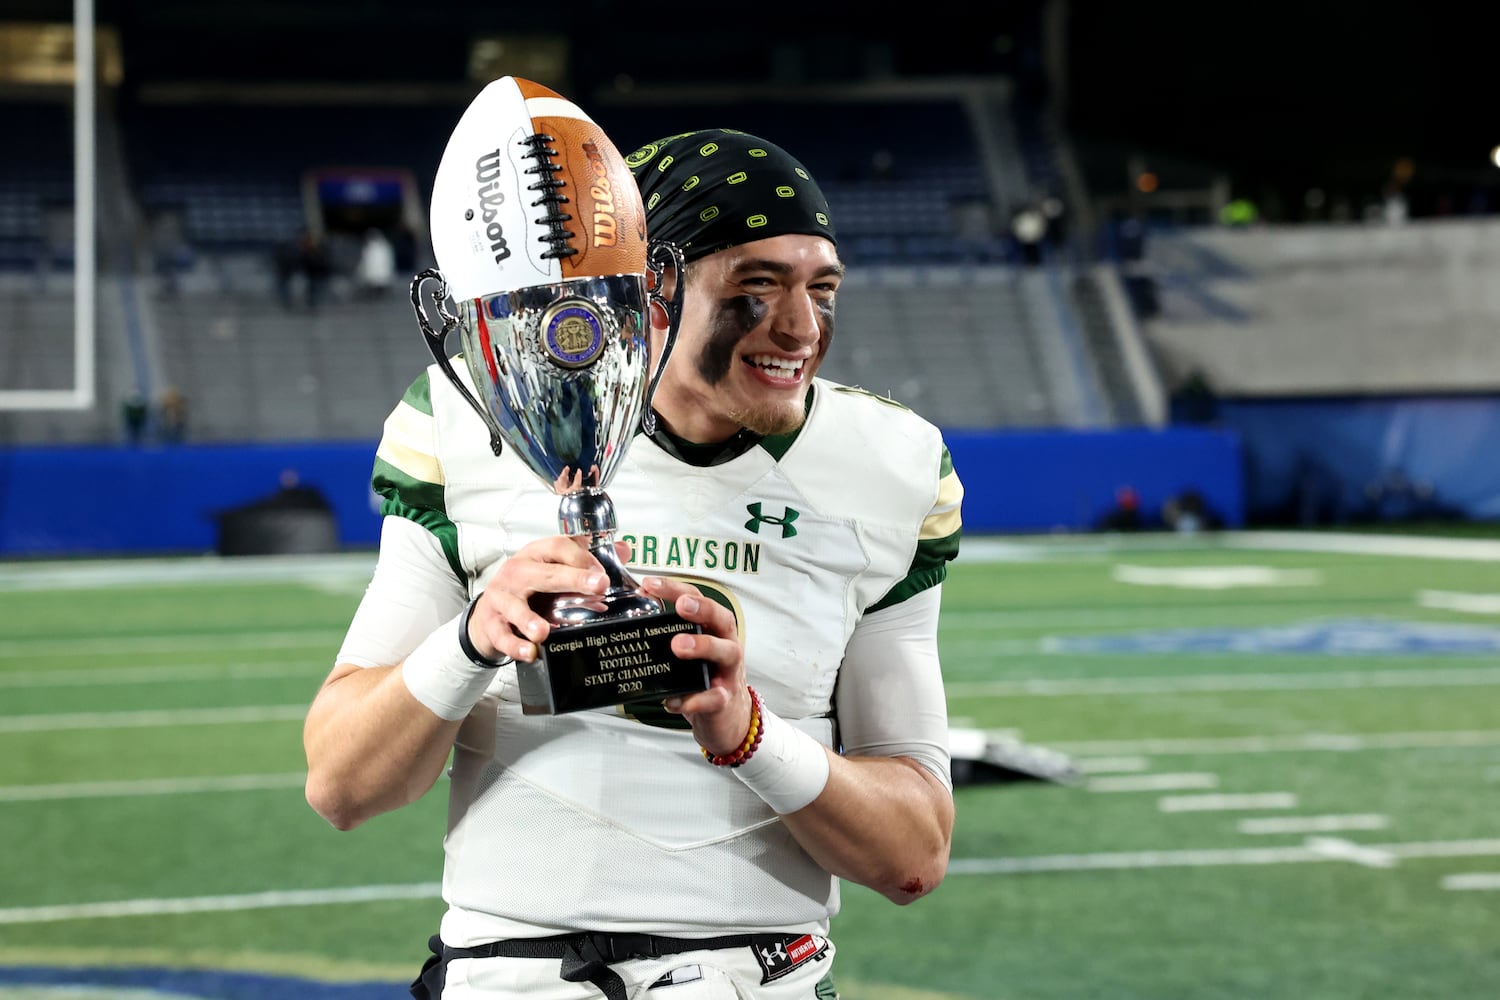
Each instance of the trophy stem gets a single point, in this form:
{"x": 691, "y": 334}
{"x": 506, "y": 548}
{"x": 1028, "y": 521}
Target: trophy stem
{"x": 589, "y": 511}
{"x": 602, "y": 546}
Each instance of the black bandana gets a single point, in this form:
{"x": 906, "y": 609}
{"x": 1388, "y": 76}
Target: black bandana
{"x": 718, "y": 188}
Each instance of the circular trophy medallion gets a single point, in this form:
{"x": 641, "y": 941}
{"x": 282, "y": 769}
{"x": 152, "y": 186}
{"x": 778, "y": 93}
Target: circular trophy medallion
{"x": 573, "y": 333}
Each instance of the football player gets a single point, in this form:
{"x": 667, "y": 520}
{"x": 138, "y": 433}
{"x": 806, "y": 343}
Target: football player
{"x": 690, "y": 848}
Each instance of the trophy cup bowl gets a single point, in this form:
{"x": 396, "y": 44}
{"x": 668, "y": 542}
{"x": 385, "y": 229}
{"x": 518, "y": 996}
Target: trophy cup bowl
{"x": 559, "y": 373}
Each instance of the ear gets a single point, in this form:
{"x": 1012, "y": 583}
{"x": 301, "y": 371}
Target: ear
{"x": 658, "y": 317}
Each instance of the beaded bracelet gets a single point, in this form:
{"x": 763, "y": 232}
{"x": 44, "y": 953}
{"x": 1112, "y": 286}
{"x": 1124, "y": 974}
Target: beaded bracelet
{"x": 752, "y": 738}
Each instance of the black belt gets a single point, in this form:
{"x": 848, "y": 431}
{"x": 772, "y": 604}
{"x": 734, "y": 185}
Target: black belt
{"x": 587, "y": 957}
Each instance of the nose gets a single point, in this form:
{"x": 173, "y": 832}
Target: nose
{"x": 798, "y": 319}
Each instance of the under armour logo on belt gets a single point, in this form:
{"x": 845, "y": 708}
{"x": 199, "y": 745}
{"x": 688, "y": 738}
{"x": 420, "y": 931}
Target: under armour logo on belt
{"x": 784, "y": 521}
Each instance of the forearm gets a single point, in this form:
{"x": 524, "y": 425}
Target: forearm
{"x": 883, "y": 822}
{"x": 371, "y": 746}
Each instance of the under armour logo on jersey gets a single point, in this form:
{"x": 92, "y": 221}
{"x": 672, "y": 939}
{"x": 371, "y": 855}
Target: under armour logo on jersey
{"x": 775, "y": 953}
{"x": 784, "y": 521}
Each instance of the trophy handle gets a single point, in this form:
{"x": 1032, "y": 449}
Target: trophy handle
{"x": 659, "y": 254}
{"x": 436, "y": 340}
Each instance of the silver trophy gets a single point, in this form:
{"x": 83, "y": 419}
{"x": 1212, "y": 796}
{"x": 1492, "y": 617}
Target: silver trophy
{"x": 561, "y": 374}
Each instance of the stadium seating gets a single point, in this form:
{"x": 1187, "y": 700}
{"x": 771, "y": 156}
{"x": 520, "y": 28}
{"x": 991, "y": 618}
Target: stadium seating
{"x": 938, "y": 314}
{"x": 1396, "y": 309}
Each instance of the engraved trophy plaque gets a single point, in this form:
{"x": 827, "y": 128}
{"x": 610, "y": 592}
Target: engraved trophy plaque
{"x": 560, "y": 373}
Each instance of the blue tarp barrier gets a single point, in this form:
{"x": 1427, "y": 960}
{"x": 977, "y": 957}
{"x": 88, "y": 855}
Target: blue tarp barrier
{"x": 109, "y": 500}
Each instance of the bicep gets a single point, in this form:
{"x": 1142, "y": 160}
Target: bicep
{"x": 412, "y": 592}
{"x": 890, "y": 697}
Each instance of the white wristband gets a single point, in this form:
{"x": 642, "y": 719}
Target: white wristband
{"x": 789, "y": 769}
{"x": 441, "y": 676}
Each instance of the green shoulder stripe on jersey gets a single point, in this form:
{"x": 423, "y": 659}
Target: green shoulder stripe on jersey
{"x": 921, "y": 577}
{"x": 403, "y": 496}
{"x": 945, "y": 467}
{"x": 419, "y": 394}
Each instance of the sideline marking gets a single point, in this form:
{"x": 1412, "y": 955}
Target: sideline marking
{"x": 1407, "y": 546}
{"x": 1209, "y": 858}
{"x": 1331, "y": 681}
{"x": 151, "y": 717}
{"x": 1154, "y": 782}
{"x": 1226, "y": 803}
{"x": 338, "y": 568}
{"x": 1314, "y": 824}
{"x": 1480, "y": 881}
{"x": 207, "y": 904}
{"x": 1300, "y": 742}
{"x": 1046, "y": 548}
{"x": 150, "y": 786}
{"x": 99, "y": 573}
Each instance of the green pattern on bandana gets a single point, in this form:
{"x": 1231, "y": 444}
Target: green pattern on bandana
{"x": 710, "y": 190}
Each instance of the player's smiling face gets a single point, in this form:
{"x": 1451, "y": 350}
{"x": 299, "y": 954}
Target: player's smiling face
{"x": 756, "y": 323}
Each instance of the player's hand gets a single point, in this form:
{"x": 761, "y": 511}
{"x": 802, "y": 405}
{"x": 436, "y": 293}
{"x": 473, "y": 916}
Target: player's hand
{"x": 503, "y": 623}
{"x": 720, "y": 716}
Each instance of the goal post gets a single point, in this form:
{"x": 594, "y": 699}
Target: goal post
{"x": 85, "y": 264}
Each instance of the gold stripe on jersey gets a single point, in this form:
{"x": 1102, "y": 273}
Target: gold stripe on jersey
{"x": 407, "y": 444}
{"x": 947, "y": 512}
{"x": 409, "y": 478}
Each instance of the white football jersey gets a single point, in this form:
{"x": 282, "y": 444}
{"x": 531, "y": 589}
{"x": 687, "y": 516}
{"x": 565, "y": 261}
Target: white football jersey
{"x": 611, "y": 819}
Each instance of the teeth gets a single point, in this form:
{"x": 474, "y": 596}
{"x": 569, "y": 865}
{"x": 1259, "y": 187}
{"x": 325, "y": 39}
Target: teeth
{"x": 780, "y": 366}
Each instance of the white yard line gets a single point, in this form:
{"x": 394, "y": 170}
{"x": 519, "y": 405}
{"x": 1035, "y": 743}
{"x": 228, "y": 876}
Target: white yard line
{"x": 1338, "y": 849}
{"x": 1473, "y": 881}
{"x": 1110, "y": 765}
{"x": 1153, "y": 782}
{"x": 122, "y": 676}
{"x": 208, "y": 904}
{"x": 1448, "y": 600}
{"x": 325, "y": 639}
{"x": 1314, "y": 824}
{"x": 55, "y": 722}
{"x": 1290, "y": 743}
{"x": 1226, "y": 803}
{"x": 1210, "y": 858}
{"x": 150, "y": 786}
{"x": 1303, "y": 681}
{"x": 960, "y": 866}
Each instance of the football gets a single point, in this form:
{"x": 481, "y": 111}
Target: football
{"x": 530, "y": 191}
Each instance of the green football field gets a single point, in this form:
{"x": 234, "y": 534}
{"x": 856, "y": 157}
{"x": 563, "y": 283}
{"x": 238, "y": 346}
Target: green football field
{"x": 1288, "y": 751}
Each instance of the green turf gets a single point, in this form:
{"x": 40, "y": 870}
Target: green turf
{"x": 1307, "y": 929}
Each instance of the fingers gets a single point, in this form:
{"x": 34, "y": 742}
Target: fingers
{"x": 568, "y": 481}
{"x": 719, "y": 714}
{"x": 503, "y": 622}
{"x": 689, "y": 602}
{"x": 508, "y": 625}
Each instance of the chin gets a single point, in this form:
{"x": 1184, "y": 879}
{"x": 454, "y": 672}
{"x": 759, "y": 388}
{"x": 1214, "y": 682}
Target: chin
{"x": 769, "y": 419}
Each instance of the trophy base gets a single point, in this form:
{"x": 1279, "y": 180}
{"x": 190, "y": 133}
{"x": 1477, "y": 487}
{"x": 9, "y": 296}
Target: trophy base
{"x": 609, "y": 662}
